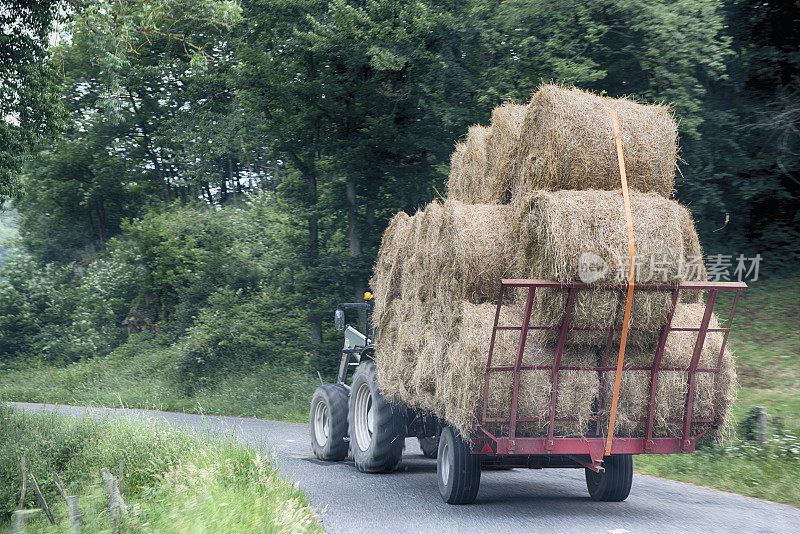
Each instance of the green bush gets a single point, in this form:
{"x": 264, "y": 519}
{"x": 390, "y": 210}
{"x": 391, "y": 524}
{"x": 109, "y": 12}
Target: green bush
{"x": 190, "y": 253}
{"x": 209, "y": 294}
{"x": 64, "y": 313}
{"x": 236, "y": 331}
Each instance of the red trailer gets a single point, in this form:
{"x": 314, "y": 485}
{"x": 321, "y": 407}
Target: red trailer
{"x": 373, "y": 429}
{"x": 608, "y": 463}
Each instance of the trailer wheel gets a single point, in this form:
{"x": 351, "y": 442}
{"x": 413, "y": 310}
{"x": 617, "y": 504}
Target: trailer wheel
{"x": 614, "y": 484}
{"x": 377, "y": 428}
{"x": 429, "y": 446}
{"x": 328, "y": 422}
{"x": 457, "y": 470}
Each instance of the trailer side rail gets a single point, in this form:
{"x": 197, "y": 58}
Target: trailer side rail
{"x": 593, "y": 443}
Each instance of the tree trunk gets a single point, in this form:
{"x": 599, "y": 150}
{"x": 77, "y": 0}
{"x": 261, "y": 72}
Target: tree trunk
{"x": 148, "y": 147}
{"x": 309, "y": 172}
{"x": 223, "y": 190}
{"x": 356, "y": 279}
{"x": 315, "y": 321}
{"x": 230, "y": 177}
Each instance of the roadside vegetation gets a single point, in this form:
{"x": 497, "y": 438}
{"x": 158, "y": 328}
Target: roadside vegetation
{"x": 766, "y": 342}
{"x": 176, "y": 315}
{"x": 146, "y": 372}
{"x": 174, "y": 481}
{"x": 142, "y": 374}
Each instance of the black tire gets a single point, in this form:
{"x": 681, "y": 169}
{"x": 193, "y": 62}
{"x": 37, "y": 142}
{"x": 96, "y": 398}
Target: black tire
{"x": 332, "y": 399}
{"x": 429, "y": 446}
{"x": 614, "y": 484}
{"x": 458, "y": 472}
{"x": 379, "y": 448}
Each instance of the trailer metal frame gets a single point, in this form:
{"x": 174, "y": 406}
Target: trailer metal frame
{"x": 589, "y": 451}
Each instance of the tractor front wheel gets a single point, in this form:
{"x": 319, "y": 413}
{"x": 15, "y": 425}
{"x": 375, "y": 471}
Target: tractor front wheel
{"x": 328, "y": 422}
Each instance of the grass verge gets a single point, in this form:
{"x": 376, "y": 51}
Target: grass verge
{"x": 766, "y": 342}
{"x": 143, "y": 374}
{"x": 174, "y": 481}
{"x": 768, "y": 471}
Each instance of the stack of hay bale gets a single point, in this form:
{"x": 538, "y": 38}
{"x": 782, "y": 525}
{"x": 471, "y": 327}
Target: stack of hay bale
{"x": 526, "y": 197}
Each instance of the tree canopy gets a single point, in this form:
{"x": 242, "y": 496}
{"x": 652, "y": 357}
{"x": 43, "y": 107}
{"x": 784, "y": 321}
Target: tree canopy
{"x": 321, "y": 119}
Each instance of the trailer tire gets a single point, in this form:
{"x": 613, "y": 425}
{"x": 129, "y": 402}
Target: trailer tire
{"x": 429, "y": 446}
{"x": 328, "y": 422}
{"x": 458, "y": 471}
{"x": 614, "y": 484}
{"x": 377, "y": 428}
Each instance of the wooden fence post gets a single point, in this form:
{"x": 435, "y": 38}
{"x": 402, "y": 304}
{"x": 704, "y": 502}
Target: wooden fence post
{"x": 40, "y": 497}
{"x": 121, "y": 481}
{"x": 116, "y": 506}
{"x": 24, "y": 486}
{"x": 762, "y": 425}
{"x": 75, "y": 517}
{"x": 19, "y": 518}
{"x": 113, "y": 508}
{"x": 59, "y": 485}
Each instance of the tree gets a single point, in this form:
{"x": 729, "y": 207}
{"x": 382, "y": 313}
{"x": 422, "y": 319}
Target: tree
{"x": 30, "y": 111}
{"x": 363, "y": 100}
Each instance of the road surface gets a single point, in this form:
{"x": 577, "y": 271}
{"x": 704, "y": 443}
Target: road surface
{"x": 521, "y": 500}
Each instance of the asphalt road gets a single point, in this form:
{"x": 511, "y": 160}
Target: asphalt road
{"x": 521, "y": 500}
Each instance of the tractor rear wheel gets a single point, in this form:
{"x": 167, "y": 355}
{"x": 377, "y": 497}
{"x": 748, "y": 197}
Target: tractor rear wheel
{"x": 457, "y": 470}
{"x": 328, "y": 422}
{"x": 377, "y": 428}
{"x": 429, "y": 446}
{"x": 613, "y": 484}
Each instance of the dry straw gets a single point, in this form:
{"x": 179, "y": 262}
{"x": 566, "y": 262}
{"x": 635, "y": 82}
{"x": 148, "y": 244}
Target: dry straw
{"x": 437, "y": 275}
{"x": 560, "y": 229}
{"x": 433, "y": 266}
{"x": 469, "y": 180}
{"x": 447, "y": 373}
{"x": 566, "y": 142}
{"x": 501, "y": 144}
{"x": 454, "y": 252}
{"x": 389, "y": 264}
{"x": 562, "y": 140}
{"x": 672, "y": 385}
{"x": 440, "y": 364}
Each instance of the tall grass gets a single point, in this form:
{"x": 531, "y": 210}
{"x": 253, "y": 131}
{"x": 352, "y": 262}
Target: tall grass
{"x": 174, "y": 482}
{"x": 143, "y": 374}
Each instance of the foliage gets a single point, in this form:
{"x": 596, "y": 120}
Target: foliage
{"x": 239, "y": 333}
{"x": 228, "y": 168}
{"x": 174, "y": 482}
{"x": 337, "y": 114}
{"x": 64, "y": 313}
{"x": 190, "y": 253}
{"x": 188, "y": 271}
{"x": 144, "y": 373}
{"x": 30, "y": 110}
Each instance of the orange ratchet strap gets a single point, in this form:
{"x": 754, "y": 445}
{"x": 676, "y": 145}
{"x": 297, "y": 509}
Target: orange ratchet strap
{"x": 629, "y": 301}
